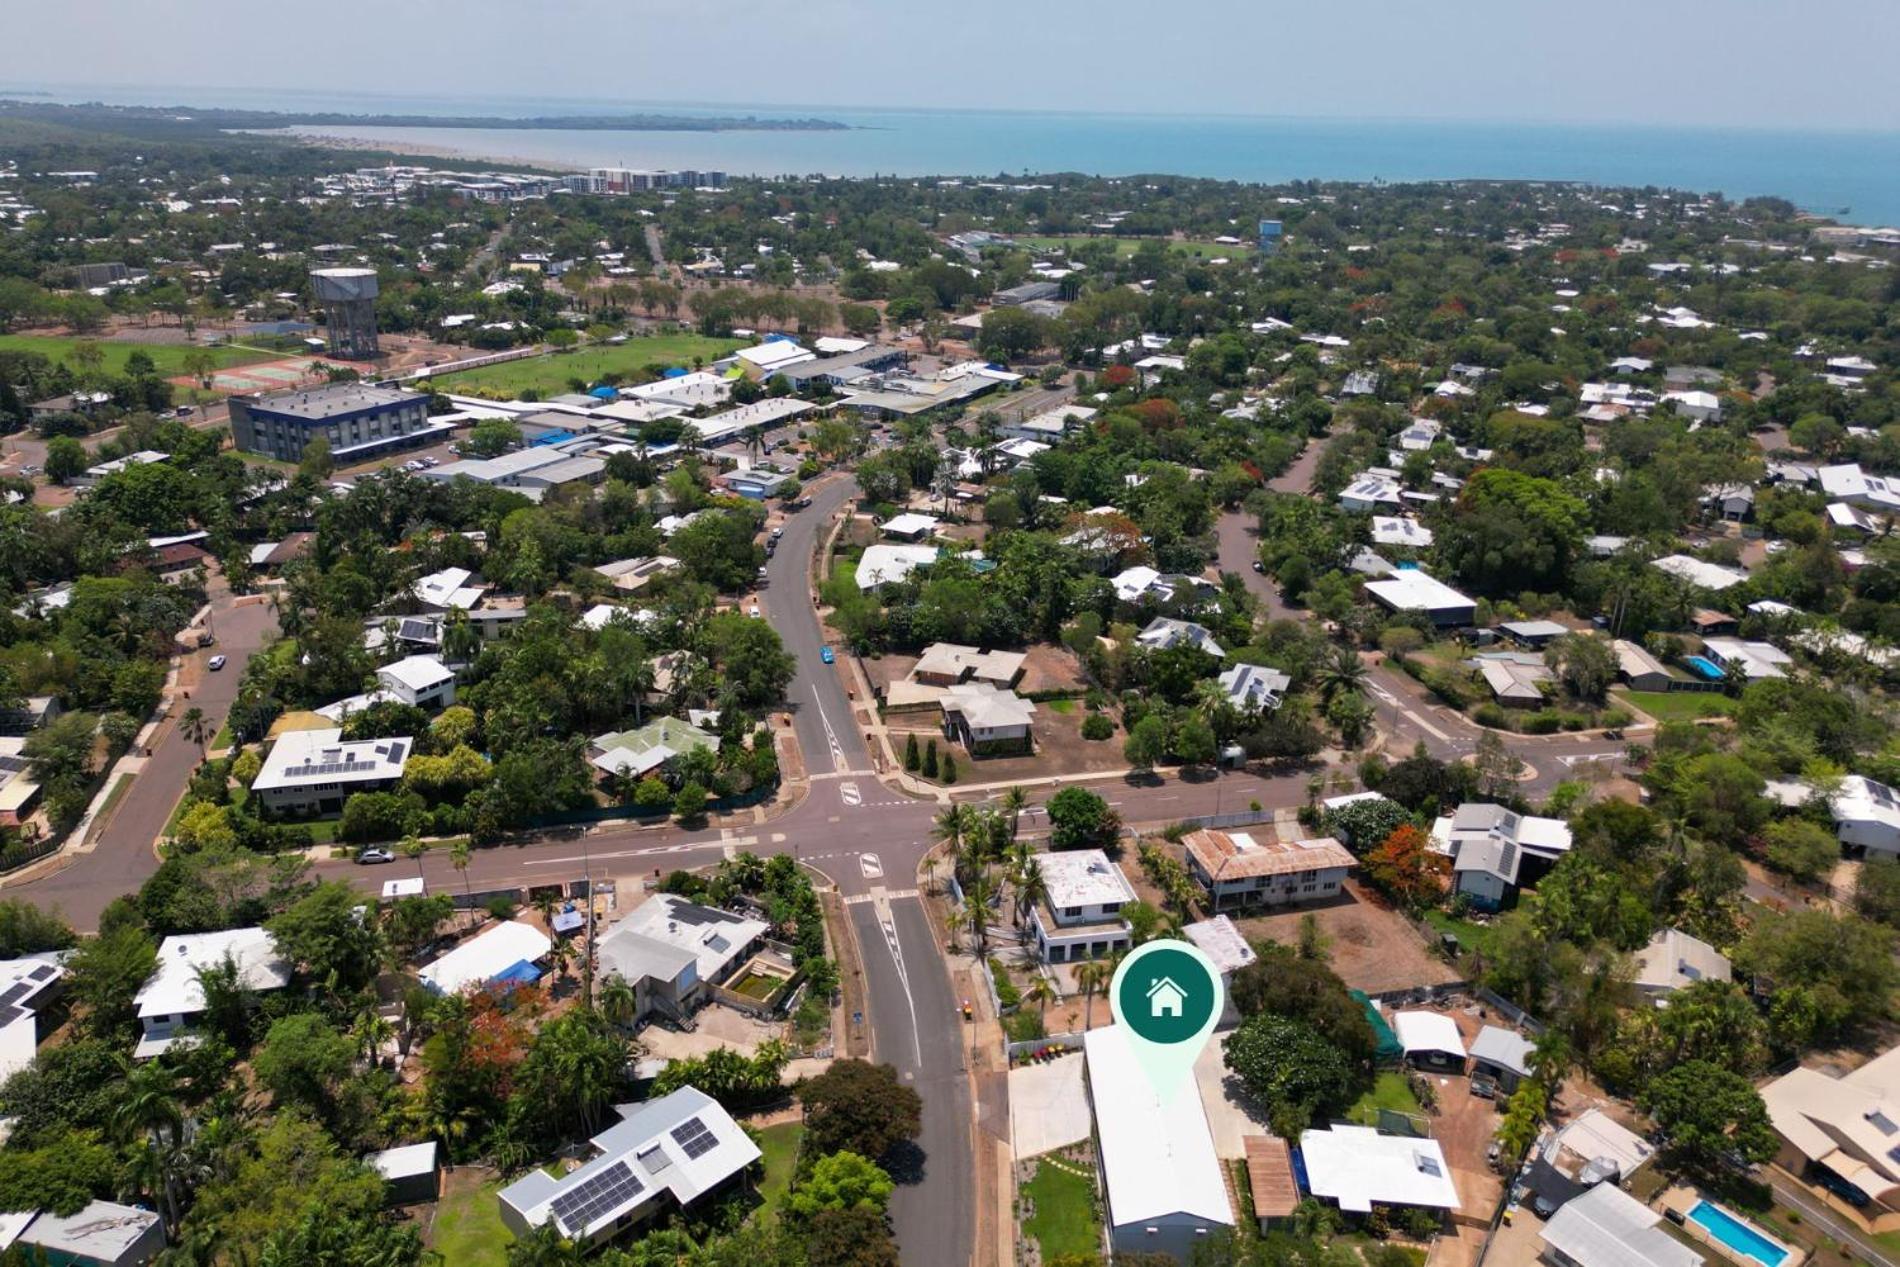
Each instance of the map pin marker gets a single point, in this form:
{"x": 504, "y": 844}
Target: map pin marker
{"x": 1167, "y": 995}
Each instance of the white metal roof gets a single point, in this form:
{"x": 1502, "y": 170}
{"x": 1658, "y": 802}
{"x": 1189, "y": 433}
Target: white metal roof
{"x": 303, "y": 758}
{"x": 1427, "y": 1031}
{"x": 712, "y": 938}
{"x": 1083, "y": 877}
{"x": 1607, "y": 1227}
{"x": 409, "y": 1159}
{"x": 1158, "y": 1156}
{"x": 1222, "y": 942}
{"x": 1357, "y": 1166}
{"x": 1412, "y": 589}
{"x": 173, "y": 987}
{"x": 480, "y": 960}
{"x": 417, "y": 672}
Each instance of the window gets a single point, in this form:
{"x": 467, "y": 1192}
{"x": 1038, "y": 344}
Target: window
{"x": 1070, "y": 912}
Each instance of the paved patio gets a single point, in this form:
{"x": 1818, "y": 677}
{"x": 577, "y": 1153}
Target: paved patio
{"x": 1048, "y": 1108}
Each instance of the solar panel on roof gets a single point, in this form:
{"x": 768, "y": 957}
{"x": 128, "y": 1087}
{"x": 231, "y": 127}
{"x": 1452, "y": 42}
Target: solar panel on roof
{"x": 45, "y": 972}
{"x": 694, "y": 1138}
{"x": 14, "y": 993}
{"x": 596, "y": 1196}
{"x": 1429, "y": 1165}
{"x": 1507, "y": 858}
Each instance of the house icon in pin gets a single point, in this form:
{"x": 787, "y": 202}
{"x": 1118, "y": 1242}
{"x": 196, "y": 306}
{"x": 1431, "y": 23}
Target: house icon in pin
{"x": 1165, "y": 998}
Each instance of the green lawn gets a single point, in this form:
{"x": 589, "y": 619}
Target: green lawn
{"x": 780, "y": 1146}
{"x": 468, "y": 1230}
{"x": 1679, "y": 705}
{"x": 1389, "y": 1091}
{"x": 548, "y": 374}
{"x": 1471, "y": 937}
{"x": 1064, "y": 1222}
{"x": 169, "y": 357}
{"x": 1125, "y": 246}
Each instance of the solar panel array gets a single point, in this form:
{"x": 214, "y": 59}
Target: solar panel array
{"x": 596, "y": 1197}
{"x": 1507, "y": 857}
{"x": 13, "y": 765}
{"x": 694, "y": 1138}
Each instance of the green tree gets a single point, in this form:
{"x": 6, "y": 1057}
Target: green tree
{"x": 1079, "y": 819}
{"x": 315, "y": 460}
{"x": 1291, "y": 1068}
{"x": 689, "y": 803}
{"x": 491, "y": 437}
{"x": 1877, "y": 892}
{"x": 324, "y": 934}
{"x": 304, "y": 1060}
{"x": 66, "y": 459}
{"x": 1584, "y": 664}
{"x": 1147, "y": 742}
{"x": 107, "y": 973}
{"x": 1510, "y": 531}
{"x": 1804, "y": 850}
{"x": 859, "y": 1107}
{"x": 841, "y": 1181}
{"x": 1706, "y": 1112}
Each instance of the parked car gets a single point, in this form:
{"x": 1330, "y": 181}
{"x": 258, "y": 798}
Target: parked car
{"x": 184, "y": 411}
{"x": 1493, "y": 1153}
{"x": 754, "y": 612}
{"x": 803, "y": 503}
{"x": 777, "y": 533}
{"x": 215, "y": 663}
{"x": 824, "y": 653}
{"x": 1259, "y": 567}
{"x": 375, "y": 854}
{"x": 1483, "y": 1087}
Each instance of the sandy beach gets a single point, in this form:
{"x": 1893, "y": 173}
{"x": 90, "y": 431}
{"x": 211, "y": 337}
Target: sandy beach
{"x": 412, "y": 149}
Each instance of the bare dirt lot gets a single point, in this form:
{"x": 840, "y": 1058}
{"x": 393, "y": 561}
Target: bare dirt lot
{"x": 1373, "y": 948}
{"x": 1060, "y": 748}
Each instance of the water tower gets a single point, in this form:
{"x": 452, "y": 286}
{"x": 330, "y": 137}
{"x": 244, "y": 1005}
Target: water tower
{"x": 348, "y": 296}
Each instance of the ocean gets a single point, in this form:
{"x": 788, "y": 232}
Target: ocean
{"x": 1853, "y": 176}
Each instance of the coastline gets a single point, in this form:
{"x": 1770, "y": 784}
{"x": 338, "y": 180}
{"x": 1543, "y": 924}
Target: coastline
{"x": 411, "y": 149}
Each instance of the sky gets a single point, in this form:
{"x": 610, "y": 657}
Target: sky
{"x": 1742, "y": 63}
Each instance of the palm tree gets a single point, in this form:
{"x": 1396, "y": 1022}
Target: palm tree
{"x": 949, "y": 827}
{"x": 1031, "y": 888}
{"x": 976, "y": 911}
{"x": 1042, "y": 992}
{"x": 1093, "y": 977}
{"x": 619, "y": 1001}
{"x": 413, "y": 846}
{"x": 149, "y": 1103}
{"x": 1015, "y": 801}
{"x": 372, "y": 1032}
{"x": 195, "y": 727}
{"x": 1344, "y": 673}
{"x": 460, "y": 855}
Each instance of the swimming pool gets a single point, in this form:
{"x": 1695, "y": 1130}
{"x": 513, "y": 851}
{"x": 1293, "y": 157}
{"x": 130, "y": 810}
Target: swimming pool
{"x": 1736, "y": 1235}
{"x": 1705, "y": 667}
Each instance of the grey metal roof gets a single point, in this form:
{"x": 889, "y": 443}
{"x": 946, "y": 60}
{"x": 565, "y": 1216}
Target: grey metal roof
{"x": 1606, "y": 1227}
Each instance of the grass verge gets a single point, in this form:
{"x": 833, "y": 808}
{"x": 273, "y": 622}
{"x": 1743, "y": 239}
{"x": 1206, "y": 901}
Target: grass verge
{"x": 780, "y": 1146}
{"x": 1064, "y": 1221}
{"x": 468, "y": 1230}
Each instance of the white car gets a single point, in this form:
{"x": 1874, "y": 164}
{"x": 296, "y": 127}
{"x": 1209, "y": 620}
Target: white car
{"x": 754, "y": 612}
{"x": 215, "y": 663}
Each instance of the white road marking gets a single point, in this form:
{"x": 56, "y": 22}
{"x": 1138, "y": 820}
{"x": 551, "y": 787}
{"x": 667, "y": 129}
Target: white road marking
{"x": 831, "y": 736}
{"x": 889, "y": 926}
{"x": 1585, "y": 758}
{"x": 861, "y": 898}
{"x": 849, "y": 793}
{"x": 688, "y": 847}
{"x": 871, "y": 865}
{"x": 1385, "y": 695}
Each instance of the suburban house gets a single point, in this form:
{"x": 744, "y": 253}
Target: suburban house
{"x": 314, "y": 771}
{"x": 1515, "y": 678}
{"x": 19, "y": 790}
{"x": 1639, "y": 669}
{"x": 1867, "y": 816}
{"x": 1356, "y": 1167}
{"x": 1431, "y": 1040}
{"x": 637, "y": 753}
{"x": 629, "y": 575}
{"x": 1370, "y": 493}
{"x": 755, "y": 483}
{"x": 1238, "y": 870}
{"x": 28, "y": 987}
{"x": 172, "y": 997}
{"x": 672, "y": 952}
{"x": 1731, "y": 503}
{"x": 507, "y": 953}
{"x": 665, "y": 1154}
{"x": 1495, "y": 851}
{"x": 1400, "y": 530}
{"x": 1590, "y": 1149}
{"x": 1413, "y": 589}
{"x": 1750, "y": 661}
{"x": 1698, "y": 572}
{"x": 100, "y": 1234}
{"x": 1534, "y": 634}
{"x": 1255, "y": 688}
{"x": 1503, "y": 1055}
{"x": 1673, "y": 960}
{"x": 882, "y": 565}
{"x": 988, "y": 720}
{"x": 910, "y": 526}
{"x": 32, "y": 712}
{"x": 1843, "y": 1133}
{"x": 950, "y": 663}
{"x": 1164, "y": 1187}
{"x": 421, "y": 680}
{"x": 1163, "y": 633}
{"x": 1607, "y": 1227}
{"x": 1080, "y": 916}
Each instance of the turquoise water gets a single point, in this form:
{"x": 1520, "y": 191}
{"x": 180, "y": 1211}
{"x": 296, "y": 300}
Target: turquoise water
{"x": 1852, "y": 175}
{"x": 1737, "y": 1235}
{"x": 1705, "y": 666}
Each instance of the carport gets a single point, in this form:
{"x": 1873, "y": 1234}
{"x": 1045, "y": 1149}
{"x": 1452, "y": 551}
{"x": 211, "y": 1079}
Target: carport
{"x": 1430, "y": 1040}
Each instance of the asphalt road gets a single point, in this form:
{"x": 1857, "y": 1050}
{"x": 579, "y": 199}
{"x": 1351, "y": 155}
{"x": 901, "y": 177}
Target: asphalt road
{"x": 915, "y": 1024}
{"x": 123, "y": 858}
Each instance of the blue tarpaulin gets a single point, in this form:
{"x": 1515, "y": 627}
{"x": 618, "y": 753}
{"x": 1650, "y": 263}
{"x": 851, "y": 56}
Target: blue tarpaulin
{"x": 675, "y": 372}
{"x": 521, "y": 972}
{"x": 603, "y": 392}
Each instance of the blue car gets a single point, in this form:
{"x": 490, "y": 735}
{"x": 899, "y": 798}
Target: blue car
{"x": 824, "y": 653}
